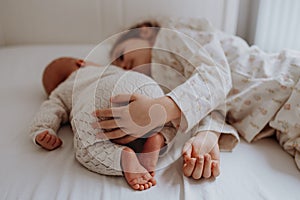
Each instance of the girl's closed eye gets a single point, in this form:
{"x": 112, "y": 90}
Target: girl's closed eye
{"x": 121, "y": 56}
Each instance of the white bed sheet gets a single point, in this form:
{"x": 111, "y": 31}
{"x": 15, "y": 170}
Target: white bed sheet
{"x": 252, "y": 171}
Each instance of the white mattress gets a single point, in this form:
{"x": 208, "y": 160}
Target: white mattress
{"x": 252, "y": 171}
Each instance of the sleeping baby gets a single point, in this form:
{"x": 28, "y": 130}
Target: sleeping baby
{"x": 75, "y": 91}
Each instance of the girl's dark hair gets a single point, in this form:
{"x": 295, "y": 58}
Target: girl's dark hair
{"x": 134, "y": 32}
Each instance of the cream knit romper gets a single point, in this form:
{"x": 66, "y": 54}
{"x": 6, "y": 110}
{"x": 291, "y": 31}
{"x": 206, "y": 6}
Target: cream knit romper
{"x": 75, "y": 99}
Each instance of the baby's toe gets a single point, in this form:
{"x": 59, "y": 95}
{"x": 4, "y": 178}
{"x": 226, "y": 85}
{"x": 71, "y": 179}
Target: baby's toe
{"x": 141, "y": 187}
{"x": 135, "y": 186}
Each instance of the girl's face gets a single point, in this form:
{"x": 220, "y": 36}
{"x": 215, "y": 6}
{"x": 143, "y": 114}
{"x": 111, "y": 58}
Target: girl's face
{"x": 132, "y": 53}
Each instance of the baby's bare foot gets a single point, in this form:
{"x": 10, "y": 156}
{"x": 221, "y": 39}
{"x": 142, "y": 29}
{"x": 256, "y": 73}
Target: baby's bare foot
{"x": 48, "y": 141}
{"x": 135, "y": 174}
{"x": 149, "y": 161}
{"x": 149, "y": 156}
{"x": 140, "y": 181}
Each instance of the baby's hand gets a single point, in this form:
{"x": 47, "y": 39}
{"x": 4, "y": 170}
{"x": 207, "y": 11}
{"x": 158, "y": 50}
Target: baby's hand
{"x": 48, "y": 141}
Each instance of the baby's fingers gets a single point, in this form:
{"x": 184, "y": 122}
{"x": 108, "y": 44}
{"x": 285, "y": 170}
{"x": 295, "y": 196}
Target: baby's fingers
{"x": 56, "y": 141}
{"x": 48, "y": 141}
{"x": 53, "y": 143}
{"x": 40, "y": 137}
{"x": 52, "y": 140}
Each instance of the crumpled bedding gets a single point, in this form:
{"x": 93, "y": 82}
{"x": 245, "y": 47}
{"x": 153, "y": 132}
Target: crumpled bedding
{"x": 287, "y": 124}
{"x": 264, "y": 98}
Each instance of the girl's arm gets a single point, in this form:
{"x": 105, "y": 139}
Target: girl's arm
{"x": 207, "y": 85}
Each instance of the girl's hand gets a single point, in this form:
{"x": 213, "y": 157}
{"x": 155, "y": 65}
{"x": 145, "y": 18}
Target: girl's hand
{"x": 141, "y": 115}
{"x": 201, "y": 155}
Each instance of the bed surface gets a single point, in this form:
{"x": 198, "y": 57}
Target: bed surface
{"x": 261, "y": 170}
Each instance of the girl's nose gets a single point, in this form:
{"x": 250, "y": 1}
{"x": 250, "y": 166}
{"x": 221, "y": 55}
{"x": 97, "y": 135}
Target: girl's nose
{"x": 127, "y": 67}
{"x": 124, "y": 65}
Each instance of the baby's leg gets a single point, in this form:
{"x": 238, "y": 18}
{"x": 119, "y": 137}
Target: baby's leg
{"x": 135, "y": 174}
{"x": 149, "y": 155}
{"x": 103, "y": 158}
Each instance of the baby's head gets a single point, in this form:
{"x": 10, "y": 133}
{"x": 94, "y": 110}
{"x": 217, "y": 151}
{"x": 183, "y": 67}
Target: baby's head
{"x": 133, "y": 48}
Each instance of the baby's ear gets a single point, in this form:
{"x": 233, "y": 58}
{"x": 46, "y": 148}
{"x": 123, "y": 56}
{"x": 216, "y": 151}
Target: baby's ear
{"x": 146, "y": 32}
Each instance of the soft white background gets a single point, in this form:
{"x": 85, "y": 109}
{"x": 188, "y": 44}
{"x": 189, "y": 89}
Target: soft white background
{"x": 80, "y": 21}
{"x": 68, "y": 21}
